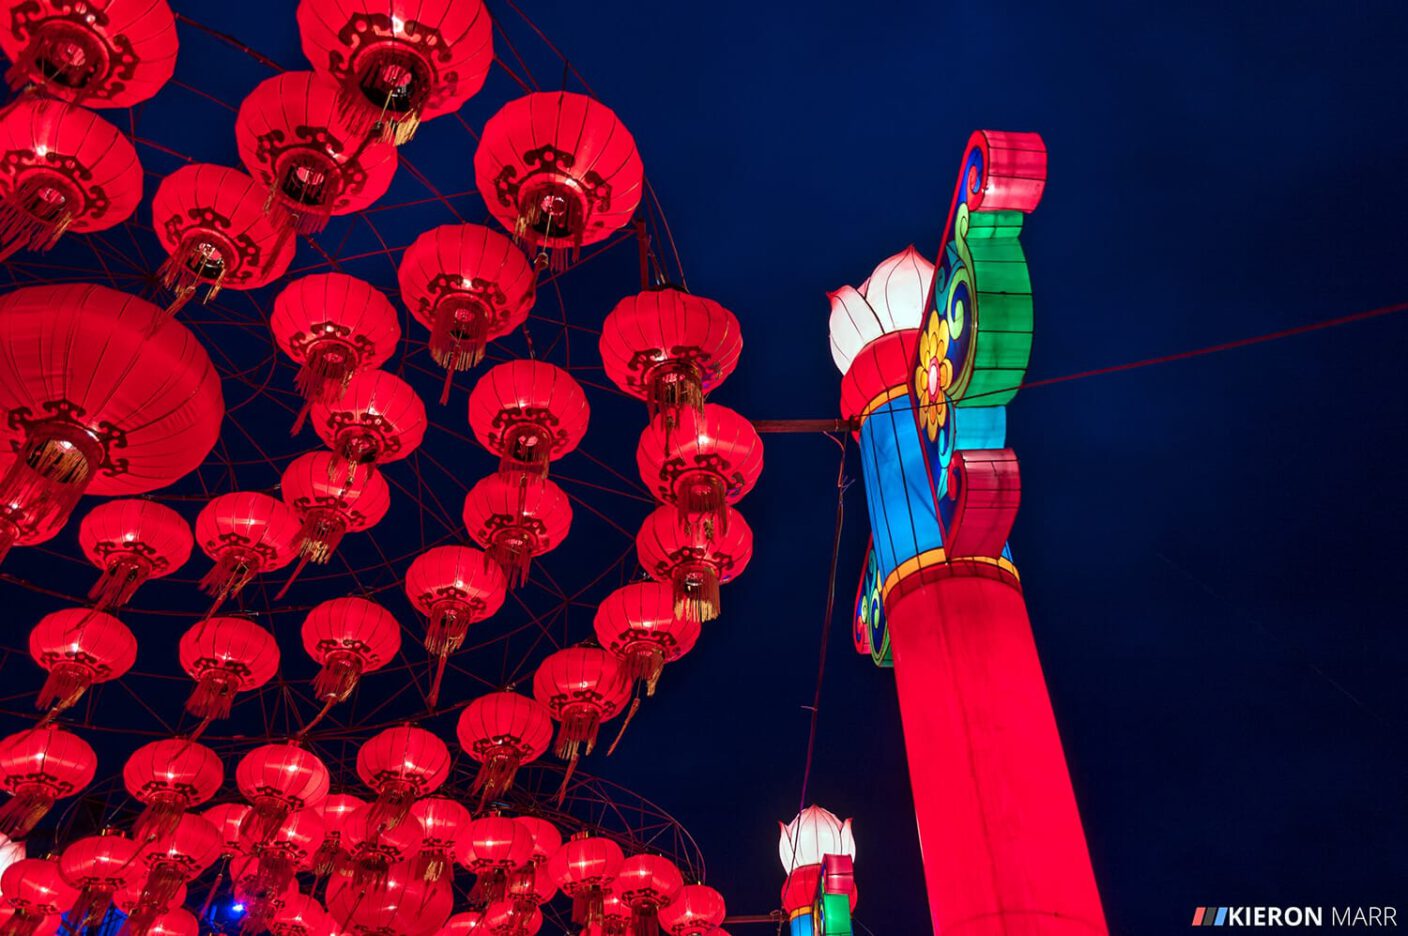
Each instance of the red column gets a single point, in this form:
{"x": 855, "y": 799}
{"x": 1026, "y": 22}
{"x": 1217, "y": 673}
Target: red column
{"x": 1004, "y": 851}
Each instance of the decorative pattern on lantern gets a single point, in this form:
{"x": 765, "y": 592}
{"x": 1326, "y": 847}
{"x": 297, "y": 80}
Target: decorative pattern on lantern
{"x": 444, "y": 824}
{"x": 559, "y": 170}
{"x": 35, "y": 890}
{"x": 329, "y": 509}
{"x": 245, "y": 533}
{"x": 293, "y": 139}
{"x": 528, "y": 413}
{"x": 695, "y": 911}
{"x": 694, "y": 567}
{"x": 278, "y": 779}
{"x": 584, "y": 868}
{"x": 492, "y": 847}
{"x": 105, "y": 399}
{"x": 169, "y": 777}
{"x": 468, "y": 285}
{"x": 79, "y": 649}
{"x": 62, "y": 168}
{"x": 373, "y": 851}
{"x": 703, "y": 464}
{"x": 114, "y": 55}
{"x": 379, "y": 419}
{"x": 401, "y": 65}
{"x": 582, "y": 687}
{"x": 348, "y": 637}
{"x": 170, "y": 863}
{"x": 646, "y": 883}
{"x": 670, "y": 348}
{"x": 638, "y": 623}
{"x": 454, "y": 586}
{"x": 132, "y": 541}
{"x": 226, "y": 656}
{"x": 515, "y": 521}
{"x": 502, "y": 731}
{"x": 97, "y": 867}
{"x": 333, "y": 326}
{"x": 401, "y": 764}
{"x": 37, "y": 767}
{"x": 336, "y": 808}
{"x": 213, "y": 225}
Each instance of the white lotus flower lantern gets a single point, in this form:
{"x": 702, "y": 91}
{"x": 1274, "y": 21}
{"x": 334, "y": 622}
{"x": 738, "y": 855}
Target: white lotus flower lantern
{"x": 890, "y": 300}
{"x": 814, "y": 834}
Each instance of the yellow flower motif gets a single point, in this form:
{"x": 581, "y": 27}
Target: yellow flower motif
{"x": 933, "y": 375}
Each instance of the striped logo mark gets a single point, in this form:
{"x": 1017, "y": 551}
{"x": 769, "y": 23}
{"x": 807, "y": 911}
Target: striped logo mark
{"x": 1210, "y": 916}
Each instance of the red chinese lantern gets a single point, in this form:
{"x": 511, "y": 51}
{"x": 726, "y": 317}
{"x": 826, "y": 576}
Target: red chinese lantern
{"x": 105, "y": 401}
{"x": 333, "y": 326}
{"x": 468, "y": 285}
{"x": 502, "y": 731}
{"x": 79, "y": 649}
{"x": 213, "y": 225}
{"x": 559, "y": 170}
{"x": 638, "y": 623}
{"x": 131, "y": 542}
{"x": 528, "y": 413}
{"x": 373, "y": 850}
{"x": 291, "y": 847}
{"x": 336, "y": 808}
{"x": 278, "y": 779}
{"x": 516, "y": 520}
{"x": 670, "y": 348}
{"x": 453, "y": 586}
{"x": 245, "y": 533}
{"x": 615, "y": 918}
{"x": 646, "y": 883}
{"x": 703, "y": 464}
{"x": 258, "y": 891}
{"x": 330, "y": 509}
{"x": 348, "y": 637}
{"x": 169, "y": 777}
{"x": 401, "y": 764}
{"x": 292, "y": 138}
{"x": 226, "y": 656}
{"x": 302, "y": 915}
{"x": 532, "y": 884}
{"x": 228, "y": 818}
{"x": 501, "y": 918}
{"x": 21, "y": 526}
{"x": 694, "y": 567}
{"x": 37, "y": 767}
{"x": 115, "y": 56}
{"x": 404, "y": 906}
{"x": 27, "y": 926}
{"x": 492, "y": 847}
{"x": 379, "y": 419}
{"x": 444, "y": 823}
{"x": 695, "y": 911}
{"x": 128, "y": 900}
{"x": 169, "y": 863}
{"x": 97, "y": 867}
{"x": 404, "y": 63}
{"x": 34, "y": 889}
{"x": 62, "y": 168}
{"x": 584, "y": 867}
{"x": 582, "y": 687}
{"x": 174, "y": 922}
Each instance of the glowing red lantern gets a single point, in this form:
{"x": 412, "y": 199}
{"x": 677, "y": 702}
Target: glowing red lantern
{"x": 373, "y": 850}
{"x": 333, "y": 326}
{"x": 291, "y": 847}
{"x": 401, "y": 764}
{"x": 228, "y": 818}
{"x": 516, "y": 520}
{"x": 292, "y": 138}
{"x": 97, "y": 867}
{"x": 79, "y": 649}
{"x": 225, "y": 656}
{"x": 528, "y": 413}
{"x": 443, "y": 823}
{"x": 169, "y": 777}
{"x": 21, "y": 525}
{"x": 402, "y": 64}
{"x": 169, "y": 863}
{"x": 106, "y": 402}
{"x": 532, "y": 884}
{"x": 404, "y": 905}
{"x": 559, "y": 170}
{"x": 492, "y": 847}
{"x": 336, "y": 808}
{"x": 213, "y": 225}
{"x": 278, "y": 779}
{"x": 584, "y": 867}
{"x": 694, "y": 567}
{"x": 379, "y": 419}
{"x": 638, "y": 623}
{"x": 454, "y": 586}
{"x": 501, "y": 918}
{"x": 695, "y": 911}
{"x": 615, "y": 918}
{"x": 348, "y": 637}
{"x": 35, "y": 889}
{"x": 582, "y": 687}
{"x": 330, "y": 510}
{"x": 468, "y": 285}
{"x": 502, "y": 731}
{"x": 258, "y": 891}
{"x": 645, "y": 883}
{"x": 132, "y": 541}
{"x": 703, "y": 464}
{"x": 63, "y": 168}
{"x": 302, "y": 915}
{"x": 245, "y": 533}
{"x": 128, "y": 900}
{"x": 670, "y": 348}
{"x": 174, "y": 922}
{"x": 37, "y": 767}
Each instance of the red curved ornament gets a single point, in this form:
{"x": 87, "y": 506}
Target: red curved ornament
{"x": 278, "y": 779}
{"x": 584, "y": 868}
{"x": 693, "y": 566}
{"x": 670, "y": 348}
{"x": 131, "y": 542}
{"x": 329, "y": 509}
{"x": 116, "y": 54}
{"x": 502, "y": 731}
{"x": 39, "y": 766}
{"x": 645, "y": 884}
{"x": 493, "y": 846}
{"x": 638, "y": 623}
{"x": 703, "y": 464}
{"x": 400, "y": 63}
{"x": 79, "y": 649}
{"x": 227, "y": 819}
{"x": 35, "y": 890}
{"x": 582, "y": 688}
{"x": 104, "y": 397}
{"x": 453, "y": 586}
{"x": 401, "y": 764}
{"x": 97, "y": 867}
{"x": 444, "y": 824}
{"x": 336, "y": 809}
{"x": 528, "y": 413}
{"x": 169, "y": 863}
{"x": 62, "y": 168}
{"x": 244, "y": 533}
{"x": 695, "y": 911}
{"x": 293, "y": 139}
{"x": 559, "y": 170}
{"x": 170, "y": 777}
{"x": 348, "y": 637}
{"x": 379, "y": 419}
{"x": 468, "y": 285}
{"x": 212, "y": 223}
{"x": 226, "y": 656}
{"x": 373, "y": 851}
{"x": 515, "y": 521}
